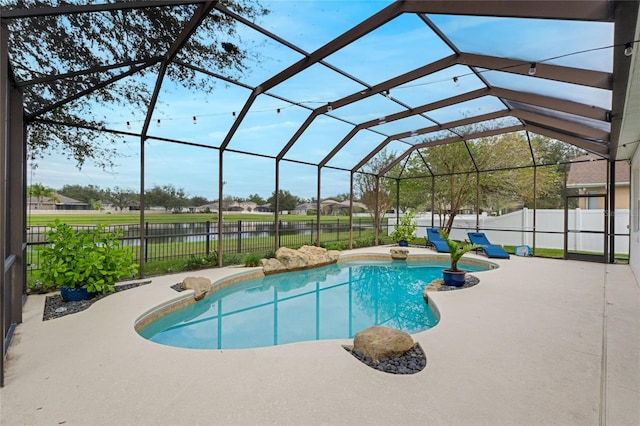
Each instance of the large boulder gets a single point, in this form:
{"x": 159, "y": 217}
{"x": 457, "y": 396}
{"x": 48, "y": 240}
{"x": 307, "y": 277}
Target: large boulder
{"x": 199, "y": 285}
{"x": 305, "y": 257}
{"x": 292, "y": 259}
{"x": 380, "y": 342}
{"x": 270, "y": 266}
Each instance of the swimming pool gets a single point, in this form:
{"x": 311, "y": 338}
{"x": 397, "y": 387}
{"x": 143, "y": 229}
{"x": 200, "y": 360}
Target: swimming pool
{"x": 329, "y": 302}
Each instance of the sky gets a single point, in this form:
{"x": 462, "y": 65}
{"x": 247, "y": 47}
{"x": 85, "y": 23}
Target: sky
{"x": 400, "y": 46}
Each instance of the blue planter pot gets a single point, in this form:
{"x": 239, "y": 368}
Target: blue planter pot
{"x": 403, "y": 243}
{"x": 455, "y": 279}
{"x": 75, "y": 294}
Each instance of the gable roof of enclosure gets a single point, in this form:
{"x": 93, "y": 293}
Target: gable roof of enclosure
{"x": 474, "y": 67}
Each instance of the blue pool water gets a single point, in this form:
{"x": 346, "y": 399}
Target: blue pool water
{"x": 330, "y": 302}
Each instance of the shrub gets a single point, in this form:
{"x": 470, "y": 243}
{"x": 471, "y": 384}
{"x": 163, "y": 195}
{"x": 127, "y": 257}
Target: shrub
{"x": 252, "y": 260}
{"x": 92, "y": 259}
{"x": 200, "y": 262}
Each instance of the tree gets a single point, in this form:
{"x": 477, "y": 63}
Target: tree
{"x": 167, "y": 196}
{"x": 256, "y": 199}
{"x": 40, "y": 192}
{"x": 198, "y": 201}
{"x": 85, "y": 193}
{"x": 287, "y": 201}
{"x": 53, "y": 45}
{"x": 497, "y": 166}
{"x": 123, "y": 198}
{"x": 365, "y": 184}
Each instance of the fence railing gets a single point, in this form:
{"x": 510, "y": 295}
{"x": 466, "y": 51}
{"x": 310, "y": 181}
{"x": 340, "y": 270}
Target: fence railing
{"x": 166, "y": 241}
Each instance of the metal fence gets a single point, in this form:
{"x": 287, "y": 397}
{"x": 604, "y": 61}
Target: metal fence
{"x": 180, "y": 240}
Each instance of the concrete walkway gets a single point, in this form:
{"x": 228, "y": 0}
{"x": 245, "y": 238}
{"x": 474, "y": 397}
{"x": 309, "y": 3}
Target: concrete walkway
{"x": 537, "y": 341}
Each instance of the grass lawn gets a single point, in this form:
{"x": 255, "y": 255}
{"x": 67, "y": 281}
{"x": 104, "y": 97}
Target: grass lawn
{"x": 133, "y": 218}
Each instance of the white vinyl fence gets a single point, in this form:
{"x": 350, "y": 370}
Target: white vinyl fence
{"x": 517, "y": 228}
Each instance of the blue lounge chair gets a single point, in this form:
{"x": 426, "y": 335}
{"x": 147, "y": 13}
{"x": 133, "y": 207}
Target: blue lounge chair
{"x": 434, "y": 238}
{"x": 491, "y": 250}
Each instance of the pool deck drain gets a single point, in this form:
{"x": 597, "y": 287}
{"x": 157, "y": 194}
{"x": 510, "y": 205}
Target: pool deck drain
{"x": 524, "y": 347}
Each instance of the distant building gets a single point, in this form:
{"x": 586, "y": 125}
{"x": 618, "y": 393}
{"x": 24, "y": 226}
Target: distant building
{"x": 240, "y": 207}
{"x": 58, "y": 202}
{"x": 332, "y": 207}
{"x": 589, "y": 176}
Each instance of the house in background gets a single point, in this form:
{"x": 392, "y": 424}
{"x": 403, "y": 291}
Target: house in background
{"x": 588, "y": 174}
{"x": 58, "y": 202}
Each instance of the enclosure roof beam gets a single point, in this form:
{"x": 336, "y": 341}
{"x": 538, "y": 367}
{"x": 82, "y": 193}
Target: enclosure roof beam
{"x": 561, "y": 125}
{"x": 624, "y": 32}
{"x": 92, "y": 70}
{"x": 548, "y": 102}
{"x": 583, "y": 77}
{"x": 339, "y": 146}
{"x": 131, "y": 71}
{"x": 299, "y": 132}
{"x": 371, "y": 154}
{"x": 373, "y": 90}
{"x": 190, "y": 27}
{"x": 91, "y": 8}
{"x": 580, "y": 10}
{"x": 444, "y": 126}
{"x": 385, "y": 15}
{"x": 476, "y": 135}
{"x": 591, "y": 146}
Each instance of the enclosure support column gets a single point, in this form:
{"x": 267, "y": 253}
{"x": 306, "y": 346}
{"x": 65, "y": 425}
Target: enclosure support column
{"x": 611, "y": 211}
{"x": 16, "y": 188}
{"x": 12, "y": 203}
{"x": 477, "y": 201}
{"x": 376, "y": 212}
{"x": 535, "y": 205}
{"x": 535, "y": 191}
{"x": 5, "y": 302}
{"x": 276, "y": 206}
{"x": 319, "y": 190}
{"x": 142, "y": 246}
{"x": 351, "y": 210}
{"x": 397, "y": 201}
{"x": 433, "y": 199}
{"x": 220, "y": 195}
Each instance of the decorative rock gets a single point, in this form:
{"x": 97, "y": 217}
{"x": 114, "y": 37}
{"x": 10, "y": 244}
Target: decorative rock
{"x": 433, "y": 286}
{"x": 305, "y": 257}
{"x": 199, "y": 285}
{"x": 380, "y": 342}
{"x": 399, "y": 253}
{"x": 270, "y": 266}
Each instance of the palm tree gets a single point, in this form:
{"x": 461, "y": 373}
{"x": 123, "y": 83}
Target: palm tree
{"x": 39, "y": 191}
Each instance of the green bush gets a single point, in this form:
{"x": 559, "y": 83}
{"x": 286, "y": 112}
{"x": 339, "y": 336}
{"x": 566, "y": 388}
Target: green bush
{"x": 200, "y": 262}
{"x": 93, "y": 259}
{"x": 252, "y": 260}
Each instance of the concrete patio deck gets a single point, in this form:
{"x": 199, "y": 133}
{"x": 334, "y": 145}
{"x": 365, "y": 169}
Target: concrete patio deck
{"x": 537, "y": 341}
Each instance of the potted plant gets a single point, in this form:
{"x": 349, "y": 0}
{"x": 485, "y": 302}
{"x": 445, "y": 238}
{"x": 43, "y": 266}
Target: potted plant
{"x": 454, "y": 276}
{"x": 84, "y": 263}
{"x": 404, "y": 230}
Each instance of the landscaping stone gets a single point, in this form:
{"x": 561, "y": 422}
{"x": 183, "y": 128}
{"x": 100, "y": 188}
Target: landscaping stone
{"x": 399, "y": 253}
{"x": 380, "y": 342}
{"x": 199, "y": 285}
{"x": 305, "y": 257}
{"x": 439, "y": 285}
{"x": 411, "y": 362}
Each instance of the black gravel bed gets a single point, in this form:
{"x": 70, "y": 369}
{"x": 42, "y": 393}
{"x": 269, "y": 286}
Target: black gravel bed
{"x": 55, "y": 307}
{"x": 469, "y": 281}
{"x": 177, "y": 287}
{"x": 411, "y": 362}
